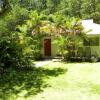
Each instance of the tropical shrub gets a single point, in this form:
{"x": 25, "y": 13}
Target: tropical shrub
{"x": 14, "y": 44}
{"x": 70, "y": 34}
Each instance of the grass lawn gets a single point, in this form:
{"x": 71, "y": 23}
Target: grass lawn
{"x": 55, "y": 81}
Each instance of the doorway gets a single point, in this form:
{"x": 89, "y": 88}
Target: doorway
{"x": 47, "y": 47}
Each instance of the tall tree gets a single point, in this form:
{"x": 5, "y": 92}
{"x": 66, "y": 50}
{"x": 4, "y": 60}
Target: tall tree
{"x": 4, "y": 6}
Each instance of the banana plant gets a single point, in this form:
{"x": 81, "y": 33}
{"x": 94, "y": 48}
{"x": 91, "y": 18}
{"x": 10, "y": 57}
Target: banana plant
{"x": 35, "y": 22}
{"x": 74, "y": 29}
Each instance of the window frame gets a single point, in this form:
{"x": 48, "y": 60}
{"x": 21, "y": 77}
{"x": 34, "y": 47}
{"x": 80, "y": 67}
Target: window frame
{"x": 91, "y": 41}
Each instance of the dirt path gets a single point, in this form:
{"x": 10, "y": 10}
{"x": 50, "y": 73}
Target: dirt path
{"x": 46, "y": 62}
{"x": 42, "y": 63}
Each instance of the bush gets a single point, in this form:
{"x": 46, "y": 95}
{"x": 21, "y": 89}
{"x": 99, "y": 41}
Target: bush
{"x": 12, "y": 53}
{"x": 14, "y": 45}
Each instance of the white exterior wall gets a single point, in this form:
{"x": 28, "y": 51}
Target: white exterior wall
{"x": 95, "y": 50}
{"x": 54, "y": 47}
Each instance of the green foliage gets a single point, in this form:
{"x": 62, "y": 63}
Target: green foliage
{"x": 96, "y": 17}
{"x": 4, "y": 6}
{"x": 23, "y": 29}
{"x": 13, "y": 44}
{"x": 26, "y": 82}
{"x": 76, "y": 8}
{"x": 32, "y": 29}
{"x": 69, "y": 34}
{"x": 14, "y": 50}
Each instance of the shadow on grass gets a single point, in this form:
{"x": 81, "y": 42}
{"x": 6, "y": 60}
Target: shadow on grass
{"x": 25, "y": 83}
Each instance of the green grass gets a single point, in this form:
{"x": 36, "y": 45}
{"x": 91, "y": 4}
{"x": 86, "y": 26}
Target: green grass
{"x": 56, "y": 81}
{"x": 80, "y": 82}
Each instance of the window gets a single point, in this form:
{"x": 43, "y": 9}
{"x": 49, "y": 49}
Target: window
{"x": 92, "y": 41}
{"x": 86, "y": 42}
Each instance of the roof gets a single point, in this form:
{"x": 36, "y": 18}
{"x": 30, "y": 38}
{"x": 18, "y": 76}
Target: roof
{"x": 90, "y": 26}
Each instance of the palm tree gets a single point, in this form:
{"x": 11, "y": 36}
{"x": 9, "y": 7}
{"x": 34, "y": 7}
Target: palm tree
{"x": 74, "y": 29}
{"x": 59, "y": 31}
{"x": 69, "y": 32}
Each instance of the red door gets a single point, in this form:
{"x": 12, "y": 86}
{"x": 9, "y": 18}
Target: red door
{"x": 47, "y": 47}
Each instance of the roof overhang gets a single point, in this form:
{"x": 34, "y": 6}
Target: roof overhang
{"x": 91, "y": 28}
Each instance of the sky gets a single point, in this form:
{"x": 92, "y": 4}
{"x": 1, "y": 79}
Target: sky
{"x": 1, "y": 2}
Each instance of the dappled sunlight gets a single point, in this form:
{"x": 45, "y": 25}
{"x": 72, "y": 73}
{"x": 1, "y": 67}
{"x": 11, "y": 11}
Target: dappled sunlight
{"x": 57, "y": 65}
{"x": 81, "y": 81}
{"x": 56, "y": 80}
{"x": 24, "y": 83}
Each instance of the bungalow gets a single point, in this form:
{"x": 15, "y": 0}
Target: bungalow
{"x": 91, "y": 46}
{"x": 49, "y": 48}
